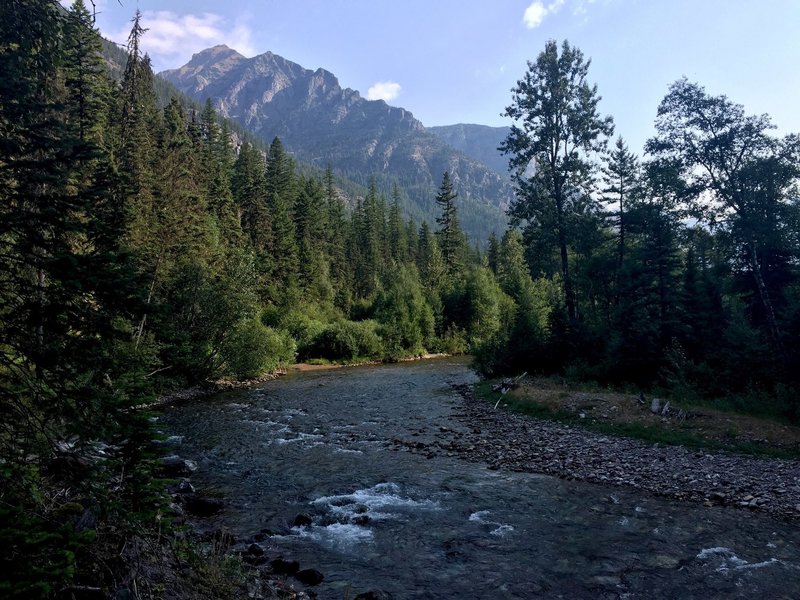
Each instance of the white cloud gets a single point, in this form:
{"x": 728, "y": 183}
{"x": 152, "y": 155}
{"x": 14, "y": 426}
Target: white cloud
{"x": 534, "y": 15}
{"x": 384, "y": 90}
{"x": 172, "y": 38}
{"x": 537, "y": 11}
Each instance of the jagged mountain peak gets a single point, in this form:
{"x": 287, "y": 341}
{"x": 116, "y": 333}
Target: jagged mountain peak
{"x": 325, "y": 124}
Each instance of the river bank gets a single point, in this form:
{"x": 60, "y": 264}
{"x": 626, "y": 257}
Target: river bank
{"x": 505, "y": 440}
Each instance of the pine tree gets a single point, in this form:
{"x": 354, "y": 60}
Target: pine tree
{"x": 398, "y": 245}
{"x": 63, "y": 299}
{"x": 493, "y": 253}
{"x": 281, "y": 190}
{"x": 249, "y": 190}
{"x": 451, "y": 239}
{"x": 622, "y": 185}
{"x": 217, "y": 167}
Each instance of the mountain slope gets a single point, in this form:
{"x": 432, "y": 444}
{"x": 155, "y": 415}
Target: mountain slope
{"x": 479, "y": 142}
{"x": 323, "y": 123}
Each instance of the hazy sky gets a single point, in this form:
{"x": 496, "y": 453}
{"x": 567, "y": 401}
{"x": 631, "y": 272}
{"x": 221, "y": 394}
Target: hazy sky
{"x": 453, "y": 61}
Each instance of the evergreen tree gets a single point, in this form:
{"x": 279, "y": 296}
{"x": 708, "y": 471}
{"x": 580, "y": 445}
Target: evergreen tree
{"x": 451, "y": 239}
{"x": 217, "y": 167}
{"x": 249, "y": 190}
{"x": 493, "y": 252}
{"x": 281, "y": 188}
{"x": 622, "y": 184}
{"x": 398, "y": 244}
{"x": 64, "y": 301}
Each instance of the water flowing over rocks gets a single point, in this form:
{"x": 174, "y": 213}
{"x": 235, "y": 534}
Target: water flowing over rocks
{"x": 415, "y": 489}
{"x": 509, "y": 441}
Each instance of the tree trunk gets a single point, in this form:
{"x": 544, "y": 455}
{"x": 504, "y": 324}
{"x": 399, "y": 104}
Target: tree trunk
{"x": 766, "y": 301}
{"x": 569, "y": 293}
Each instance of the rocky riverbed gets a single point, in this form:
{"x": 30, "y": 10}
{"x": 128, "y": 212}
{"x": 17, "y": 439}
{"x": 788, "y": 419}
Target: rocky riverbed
{"x": 505, "y": 440}
{"x": 312, "y": 474}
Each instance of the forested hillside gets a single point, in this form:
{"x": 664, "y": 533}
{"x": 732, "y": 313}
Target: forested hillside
{"x": 143, "y": 252}
{"x": 323, "y": 124}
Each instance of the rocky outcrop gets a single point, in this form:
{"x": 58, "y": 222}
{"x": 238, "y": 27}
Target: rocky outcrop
{"x": 479, "y": 142}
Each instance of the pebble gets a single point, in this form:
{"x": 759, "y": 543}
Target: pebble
{"x": 504, "y": 440}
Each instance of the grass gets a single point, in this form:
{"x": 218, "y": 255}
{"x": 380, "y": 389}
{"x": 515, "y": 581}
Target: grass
{"x": 622, "y": 415}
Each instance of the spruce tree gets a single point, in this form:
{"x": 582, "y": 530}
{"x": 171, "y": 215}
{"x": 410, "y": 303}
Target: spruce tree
{"x": 281, "y": 188}
{"x": 451, "y": 239}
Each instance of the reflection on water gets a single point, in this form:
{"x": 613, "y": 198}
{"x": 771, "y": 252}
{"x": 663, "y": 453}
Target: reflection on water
{"x": 439, "y": 527}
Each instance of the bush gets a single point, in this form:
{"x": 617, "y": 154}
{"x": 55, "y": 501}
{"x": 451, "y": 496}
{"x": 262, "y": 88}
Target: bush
{"x": 304, "y": 329}
{"x": 253, "y": 349}
{"x": 347, "y": 340}
{"x": 406, "y": 318}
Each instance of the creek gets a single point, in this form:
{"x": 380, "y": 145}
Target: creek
{"x": 323, "y": 443}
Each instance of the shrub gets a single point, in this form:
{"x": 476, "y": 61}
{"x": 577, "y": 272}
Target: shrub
{"x": 347, "y": 340}
{"x": 253, "y": 349}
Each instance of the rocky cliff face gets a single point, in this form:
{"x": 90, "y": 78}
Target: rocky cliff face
{"x": 323, "y": 123}
{"x": 479, "y": 142}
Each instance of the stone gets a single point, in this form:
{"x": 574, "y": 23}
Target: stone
{"x": 255, "y": 561}
{"x": 86, "y": 522}
{"x": 309, "y": 577}
{"x": 124, "y": 594}
{"x": 255, "y": 550}
{"x": 175, "y": 466}
{"x": 201, "y": 506}
{"x": 282, "y": 566}
{"x": 185, "y": 487}
{"x": 718, "y": 497}
{"x": 655, "y": 406}
{"x": 302, "y": 520}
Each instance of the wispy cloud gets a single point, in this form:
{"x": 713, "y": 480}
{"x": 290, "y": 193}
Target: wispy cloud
{"x": 537, "y": 11}
{"x": 172, "y": 38}
{"x": 384, "y": 90}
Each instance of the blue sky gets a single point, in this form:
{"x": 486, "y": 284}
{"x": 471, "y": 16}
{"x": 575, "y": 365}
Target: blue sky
{"x": 455, "y": 61}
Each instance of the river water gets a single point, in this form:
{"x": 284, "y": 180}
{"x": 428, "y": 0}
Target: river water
{"x": 441, "y": 527}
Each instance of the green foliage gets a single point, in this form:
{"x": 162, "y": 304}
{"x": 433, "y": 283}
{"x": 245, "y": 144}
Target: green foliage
{"x": 407, "y": 322}
{"x": 37, "y": 544}
{"x": 347, "y": 341}
{"x": 558, "y": 128}
{"x": 252, "y": 349}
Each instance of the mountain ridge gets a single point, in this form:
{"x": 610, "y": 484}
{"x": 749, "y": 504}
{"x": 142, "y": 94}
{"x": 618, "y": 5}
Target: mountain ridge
{"x": 326, "y": 124}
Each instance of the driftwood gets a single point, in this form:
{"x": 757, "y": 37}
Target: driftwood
{"x": 506, "y": 386}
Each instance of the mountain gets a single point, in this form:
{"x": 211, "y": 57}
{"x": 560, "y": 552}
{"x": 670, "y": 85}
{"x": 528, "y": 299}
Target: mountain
{"x": 325, "y": 124}
{"x": 479, "y": 142}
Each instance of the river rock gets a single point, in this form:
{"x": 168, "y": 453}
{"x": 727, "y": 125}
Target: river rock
{"x": 302, "y": 520}
{"x": 185, "y": 487}
{"x": 282, "y": 566}
{"x": 124, "y": 593}
{"x": 175, "y": 466}
{"x": 255, "y": 550}
{"x": 201, "y": 506}
{"x": 309, "y": 577}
